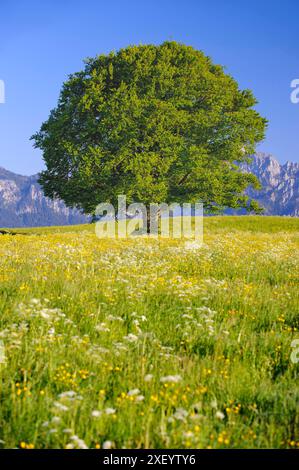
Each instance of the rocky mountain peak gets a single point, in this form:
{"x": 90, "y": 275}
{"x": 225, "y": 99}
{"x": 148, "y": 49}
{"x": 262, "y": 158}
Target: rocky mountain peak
{"x": 23, "y": 203}
{"x": 280, "y": 184}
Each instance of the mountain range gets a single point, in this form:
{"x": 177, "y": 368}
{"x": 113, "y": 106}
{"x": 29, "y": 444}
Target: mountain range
{"x": 280, "y": 185}
{"x": 23, "y": 204}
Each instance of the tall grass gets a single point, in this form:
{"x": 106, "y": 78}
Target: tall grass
{"x": 150, "y": 343}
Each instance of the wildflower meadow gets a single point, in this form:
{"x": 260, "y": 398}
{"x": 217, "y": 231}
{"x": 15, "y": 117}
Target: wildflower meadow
{"x": 150, "y": 343}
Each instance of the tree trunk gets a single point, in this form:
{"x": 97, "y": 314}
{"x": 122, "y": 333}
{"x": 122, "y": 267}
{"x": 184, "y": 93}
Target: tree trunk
{"x": 148, "y": 221}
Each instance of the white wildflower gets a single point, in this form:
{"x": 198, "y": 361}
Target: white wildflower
{"x": 102, "y": 327}
{"x": 148, "y": 377}
{"x": 188, "y": 434}
{"x": 219, "y": 415}
{"x": 139, "y": 398}
{"x": 180, "y": 414}
{"x": 60, "y": 406}
{"x": 55, "y": 420}
{"x": 131, "y": 338}
{"x": 45, "y": 315}
{"x": 114, "y": 318}
{"x": 68, "y": 394}
{"x": 133, "y": 392}
{"x": 171, "y": 378}
{"x": 79, "y": 442}
{"x": 108, "y": 445}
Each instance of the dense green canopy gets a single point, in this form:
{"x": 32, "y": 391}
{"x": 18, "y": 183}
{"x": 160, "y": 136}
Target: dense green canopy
{"x": 156, "y": 123}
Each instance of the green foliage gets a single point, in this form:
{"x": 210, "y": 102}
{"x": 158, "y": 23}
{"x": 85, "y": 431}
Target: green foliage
{"x": 157, "y": 123}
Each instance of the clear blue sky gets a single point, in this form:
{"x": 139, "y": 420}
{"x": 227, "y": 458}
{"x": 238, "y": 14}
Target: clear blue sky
{"x": 41, "y": 42}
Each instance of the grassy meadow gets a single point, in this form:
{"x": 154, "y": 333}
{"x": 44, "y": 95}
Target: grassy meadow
{"x": 150, "y": 343}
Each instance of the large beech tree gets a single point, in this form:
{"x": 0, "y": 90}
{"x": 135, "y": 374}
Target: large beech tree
{"x": 156, "y": 123}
